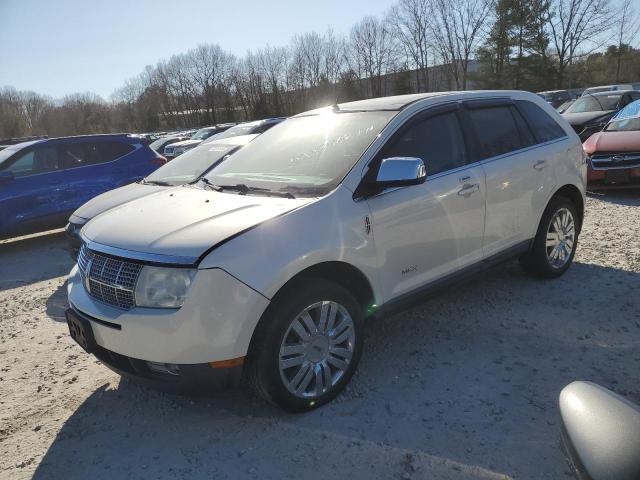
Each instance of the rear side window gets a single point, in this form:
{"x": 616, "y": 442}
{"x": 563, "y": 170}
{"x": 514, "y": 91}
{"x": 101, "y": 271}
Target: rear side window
{"x": 544, "y": 127}
{"x": 437, "y": 140}
{"x": 92, "y": 153}
{"x": 496, "y": 130}
{"x": 101, "y": 152}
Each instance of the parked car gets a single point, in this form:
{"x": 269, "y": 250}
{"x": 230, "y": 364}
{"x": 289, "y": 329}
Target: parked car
{"x": 555, "y": 97}
{"x": 188, "y": 168}
{"x": 611, "y": 88}
{"x": 271, "y": 264}
{"x": 43, "y": 181}
{"x": 590, "y": 113}
{"x": 614, "y": 153}
{"x": 247, "y": 128}
{"x": 159, "y": 144}
{"x": 201, "y": 135}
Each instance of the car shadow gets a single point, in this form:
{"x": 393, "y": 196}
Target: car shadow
{"x": 57, "y": 303}
{"x": 629, "y": 197}
{"x": 28, "y": 260}
{"x": 464, "y": 385}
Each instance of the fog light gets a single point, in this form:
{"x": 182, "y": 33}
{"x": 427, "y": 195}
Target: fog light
{"x": 165, "y": 368}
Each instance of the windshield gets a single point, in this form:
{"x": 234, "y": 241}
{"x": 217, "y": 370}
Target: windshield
{"x": 159, "y": 142}
{"x": 203, "y": 133}
{"x": 236, "y": 131}
{"x": 190, "y": 165}
{"x": 625, "y": 125}
{"x": 307, "y": 155}
{"x": 592, "y": 103}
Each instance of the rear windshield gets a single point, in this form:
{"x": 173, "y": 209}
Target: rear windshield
{"x": 593, "y": 103}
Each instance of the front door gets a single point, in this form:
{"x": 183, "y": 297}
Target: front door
{"x": 427, "y": 231}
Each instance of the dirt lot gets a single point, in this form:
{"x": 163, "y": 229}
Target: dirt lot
{"x": 463, "y": 386}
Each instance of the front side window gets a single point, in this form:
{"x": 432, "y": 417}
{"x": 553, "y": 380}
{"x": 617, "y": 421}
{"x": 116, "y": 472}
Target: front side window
{"x": 437, "y": 140}
{"x": 307, "y": 155}
{"x": 544, "y": 127}
{"x": 35, "y": 161}
{"x": 496, "y": 130}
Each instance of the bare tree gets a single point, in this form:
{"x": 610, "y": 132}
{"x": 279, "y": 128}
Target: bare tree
{"x": 628, "y": 26}
{"x": 457, "y": 28}
{"x": 409, "y": 20}
{"x": 575, "y": 24}
{"x": 372, "y": 53}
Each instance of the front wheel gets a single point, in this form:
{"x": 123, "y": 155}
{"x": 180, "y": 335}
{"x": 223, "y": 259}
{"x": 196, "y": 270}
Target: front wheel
{"x": 308, "y": 346}
{"x": 556, "y": 240}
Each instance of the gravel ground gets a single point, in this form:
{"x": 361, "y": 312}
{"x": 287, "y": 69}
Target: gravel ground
{"x": 463, "y": 386}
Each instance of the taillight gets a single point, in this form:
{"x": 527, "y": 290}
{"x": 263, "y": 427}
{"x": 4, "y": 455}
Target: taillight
{"x": 159, "y": 160}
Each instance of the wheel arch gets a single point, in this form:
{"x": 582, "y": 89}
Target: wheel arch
{"x": 574, "y": 194}
{"x": 342, "y": 273}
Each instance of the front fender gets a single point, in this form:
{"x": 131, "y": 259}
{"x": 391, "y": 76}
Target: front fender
{"x": 330, "y": 229}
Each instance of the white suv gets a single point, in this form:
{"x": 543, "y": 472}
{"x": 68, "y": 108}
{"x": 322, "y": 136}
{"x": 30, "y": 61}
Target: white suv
{"x": 271, "y": 265}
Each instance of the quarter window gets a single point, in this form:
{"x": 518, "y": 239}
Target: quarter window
{"x": 437, "y": 140}
{"x": 544, "y": 127}
{"x": 496, "y": 130}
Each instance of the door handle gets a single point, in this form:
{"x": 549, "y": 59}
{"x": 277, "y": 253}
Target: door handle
{"x": 467, "y": 190}
{"x": 540, "y": 164}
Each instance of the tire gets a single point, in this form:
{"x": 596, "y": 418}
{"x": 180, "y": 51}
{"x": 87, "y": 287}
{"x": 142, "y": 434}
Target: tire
{"x": 540, "y": 259}
{"x": 280, "y": 342}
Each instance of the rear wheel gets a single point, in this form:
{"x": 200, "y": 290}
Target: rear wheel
{"x": 556, "y": 240}
{"x": 307, "y": 346}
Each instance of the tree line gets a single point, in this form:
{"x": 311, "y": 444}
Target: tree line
{"x": 416, "y": 46}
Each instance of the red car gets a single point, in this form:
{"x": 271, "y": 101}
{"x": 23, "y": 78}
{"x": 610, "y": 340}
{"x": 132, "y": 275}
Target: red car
{"x": 614, "y": 154}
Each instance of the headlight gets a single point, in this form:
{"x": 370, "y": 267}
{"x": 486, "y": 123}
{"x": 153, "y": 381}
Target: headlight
{"x": 162, "y": 287}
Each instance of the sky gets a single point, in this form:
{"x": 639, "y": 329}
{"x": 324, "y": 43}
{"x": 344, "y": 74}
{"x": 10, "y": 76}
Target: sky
{"x": 57, "y": 47}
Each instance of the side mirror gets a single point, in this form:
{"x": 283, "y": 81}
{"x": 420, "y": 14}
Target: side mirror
{"x": 401, "y": 172}
{"x": 601, "y": 432}
{"x": 6, "y": 176}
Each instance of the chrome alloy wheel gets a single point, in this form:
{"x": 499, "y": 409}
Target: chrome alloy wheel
{"x": 561, "y": 237}
{"x": 317, "y": 349}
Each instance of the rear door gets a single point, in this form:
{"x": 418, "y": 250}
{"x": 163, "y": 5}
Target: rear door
{"x": 519, "y": 175}
{"x": 427, "y": 231}
{"x": 93, "y": 168}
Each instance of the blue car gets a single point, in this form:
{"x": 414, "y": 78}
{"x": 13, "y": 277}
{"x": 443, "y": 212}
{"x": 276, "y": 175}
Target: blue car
{"x": 42, "y": 182}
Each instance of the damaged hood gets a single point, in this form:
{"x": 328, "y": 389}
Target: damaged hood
{"x": 183, "y": 221}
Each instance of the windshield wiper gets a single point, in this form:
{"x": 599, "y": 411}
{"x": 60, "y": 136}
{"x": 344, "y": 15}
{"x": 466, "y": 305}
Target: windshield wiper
{"x": 157, "y": 182}
{"x": 244, "y": 189}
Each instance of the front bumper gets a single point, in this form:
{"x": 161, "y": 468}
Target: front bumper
{"x": 609, "y": 178}
{"x": 189, "y": 378}
{"x": 215, "y": 323}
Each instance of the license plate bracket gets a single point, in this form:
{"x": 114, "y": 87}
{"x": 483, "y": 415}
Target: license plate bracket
{"x": 81, "y": 331}
{"x": 617, "y": 176}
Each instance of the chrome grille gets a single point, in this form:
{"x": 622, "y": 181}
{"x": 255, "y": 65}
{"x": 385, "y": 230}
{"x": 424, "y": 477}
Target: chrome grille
{"x": 108, "y": 279}
{"x": 615, "y": 161}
